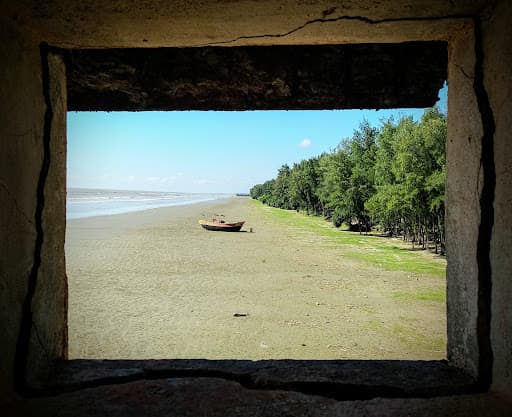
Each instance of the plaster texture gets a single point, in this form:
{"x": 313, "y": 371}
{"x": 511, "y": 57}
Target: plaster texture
{"x": 463, "y": 188}
{"x": 158, "y": 23}
{"x": 49, "y": 305}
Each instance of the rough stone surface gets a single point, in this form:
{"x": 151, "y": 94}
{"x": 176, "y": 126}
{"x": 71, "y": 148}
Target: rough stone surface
{"x": 218, "y": 397}
{"x": 157, "y": 23}
{"x": 49, "y": 335}
{"x": 463, "y": 188}
{"x": 21, "y": 120}
{"x": 342, "y": 380}
{"x": 255, "y": 78}
{"x": 498, "y": 74}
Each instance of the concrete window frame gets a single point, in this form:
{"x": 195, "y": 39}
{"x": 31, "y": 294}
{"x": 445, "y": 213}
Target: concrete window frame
{"x": 43, "y": 339}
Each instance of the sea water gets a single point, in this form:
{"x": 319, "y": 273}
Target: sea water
{"x": 85, "y": 202}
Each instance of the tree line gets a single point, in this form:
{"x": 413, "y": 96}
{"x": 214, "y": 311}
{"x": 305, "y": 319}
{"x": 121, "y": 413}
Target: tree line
{"x": 391, "y": 178}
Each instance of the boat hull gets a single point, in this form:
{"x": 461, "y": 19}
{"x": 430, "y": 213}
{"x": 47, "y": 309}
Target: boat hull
{"x": 221, "y": 227}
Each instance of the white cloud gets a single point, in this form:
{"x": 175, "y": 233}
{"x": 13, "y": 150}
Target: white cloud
{"x": 306, "y": 143}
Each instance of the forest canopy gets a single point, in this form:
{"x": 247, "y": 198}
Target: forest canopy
{"x": 390, "y": 177}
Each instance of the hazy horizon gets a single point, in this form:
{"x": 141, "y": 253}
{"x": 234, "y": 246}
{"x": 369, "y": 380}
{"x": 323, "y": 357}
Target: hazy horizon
{"x": 70, "y": 188}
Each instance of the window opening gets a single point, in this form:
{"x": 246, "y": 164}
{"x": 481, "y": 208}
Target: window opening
{"x": 146, "y": 281}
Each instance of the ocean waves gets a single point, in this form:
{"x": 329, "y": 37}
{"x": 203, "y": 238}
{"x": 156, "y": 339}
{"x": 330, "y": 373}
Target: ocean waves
{"x": 85, "y": 202}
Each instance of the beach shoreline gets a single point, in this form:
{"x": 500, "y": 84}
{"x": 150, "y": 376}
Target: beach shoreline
{"x": 88, "y": 202}
{"x": 154, "y": 284}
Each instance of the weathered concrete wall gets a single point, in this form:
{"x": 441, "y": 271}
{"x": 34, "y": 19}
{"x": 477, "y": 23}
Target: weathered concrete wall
{"x": 497, "y": 33}
{"x": 22, "y": 127}
{"x": 126, "y": 23}
{"x": 164, "y": 23}
{"x": 463, "y": 187}
{"x": 49, "y": 305}
{"x": 479, "y": 283}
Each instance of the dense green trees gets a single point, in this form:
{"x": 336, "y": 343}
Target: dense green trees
{"x": 390, "y": 177}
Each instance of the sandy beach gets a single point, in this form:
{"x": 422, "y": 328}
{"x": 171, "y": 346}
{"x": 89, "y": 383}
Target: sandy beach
{"x": 154, "y": 284}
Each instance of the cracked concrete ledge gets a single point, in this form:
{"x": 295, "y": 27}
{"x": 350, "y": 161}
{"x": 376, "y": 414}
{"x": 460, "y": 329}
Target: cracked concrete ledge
{"x": 217, "y": 397}
{"x": 340, "y": 380}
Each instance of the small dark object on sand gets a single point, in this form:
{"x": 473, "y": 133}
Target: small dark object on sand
{"x": 240, "y": 315}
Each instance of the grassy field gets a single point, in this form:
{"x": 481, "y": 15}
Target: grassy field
{"x": 382, "y": 252}
{"x": 388, "y": 253}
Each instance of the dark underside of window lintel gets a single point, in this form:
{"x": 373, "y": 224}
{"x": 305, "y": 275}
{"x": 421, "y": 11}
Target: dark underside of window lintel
{"x": 322, "y": 77}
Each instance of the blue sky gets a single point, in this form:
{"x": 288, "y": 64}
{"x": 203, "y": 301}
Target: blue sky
{"x": 219, "y": 152}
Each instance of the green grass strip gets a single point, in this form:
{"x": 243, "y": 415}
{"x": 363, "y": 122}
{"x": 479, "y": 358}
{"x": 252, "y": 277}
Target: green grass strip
{"x": 388, "y": 254}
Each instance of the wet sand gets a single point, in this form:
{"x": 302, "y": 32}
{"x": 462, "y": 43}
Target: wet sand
{"x": 154, "y": 284}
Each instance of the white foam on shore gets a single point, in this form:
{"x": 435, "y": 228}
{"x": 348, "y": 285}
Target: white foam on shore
{"x": 82, "y": 203}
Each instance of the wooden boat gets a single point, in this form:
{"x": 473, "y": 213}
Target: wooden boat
{"x": 217, "y": 224}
